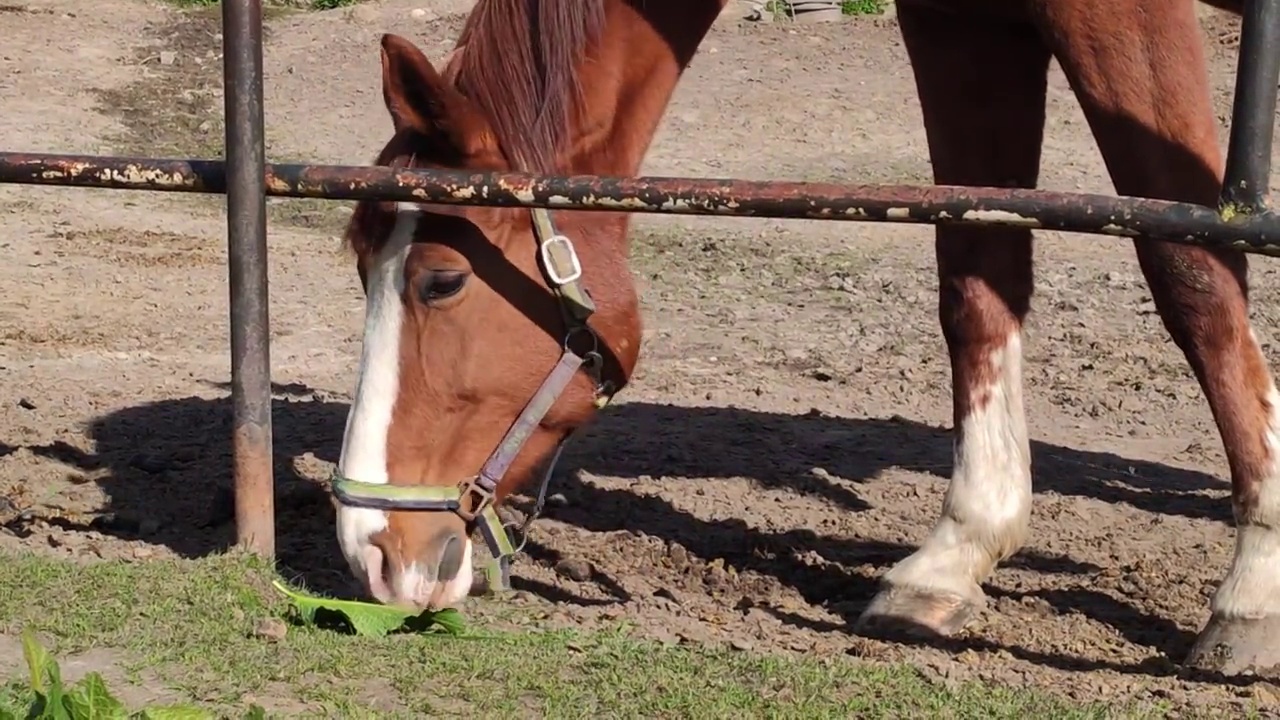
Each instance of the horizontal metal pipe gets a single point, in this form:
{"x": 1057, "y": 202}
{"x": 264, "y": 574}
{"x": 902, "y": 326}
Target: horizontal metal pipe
{"x": 1077, "y": 212}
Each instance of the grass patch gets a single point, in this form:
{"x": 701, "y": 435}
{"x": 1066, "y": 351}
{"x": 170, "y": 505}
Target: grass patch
{"x": 175, "y": 109}
{"x": 196, "y": 627}
{"x": 783, "y": 8}
{"x": 863, "y": 7}
{"x": 331, "y": 4}
{"x": 45, "y": 695}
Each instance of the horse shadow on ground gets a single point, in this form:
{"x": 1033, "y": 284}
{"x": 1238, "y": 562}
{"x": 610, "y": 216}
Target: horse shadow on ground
{"x": 165, "y": 467}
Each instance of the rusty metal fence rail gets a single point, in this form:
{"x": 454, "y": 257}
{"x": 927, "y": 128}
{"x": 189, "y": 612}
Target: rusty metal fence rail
{"x": 1256, "y": 232}
{"x": 1241, "y": 221}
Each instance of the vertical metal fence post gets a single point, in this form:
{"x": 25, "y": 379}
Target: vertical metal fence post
{"x": 1248, "y": 174}
{"x": 247, "y": 267}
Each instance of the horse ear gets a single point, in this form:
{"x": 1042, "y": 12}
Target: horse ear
{"x": 419, "y": 99}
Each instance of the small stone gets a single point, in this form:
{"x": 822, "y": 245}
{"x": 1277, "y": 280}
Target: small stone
{"x": 576, "y": 570}
{"x": 363, "y": 13}
{"x": 115, "y": 523}
{"x": 26, "y": 404}
{"x": 715, "y": 577}
{"x": 667, "y": 594}
{"x": 272, "y": 629}
{"x": 557, "y": 500}
{"x": 679, "y": 555}
{"x": 168, "y": 57}
{"x": 741, "y": 645}
{"x": 422, "y": 14}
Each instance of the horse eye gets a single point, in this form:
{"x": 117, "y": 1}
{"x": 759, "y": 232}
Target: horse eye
{"x": 441, "y": 284}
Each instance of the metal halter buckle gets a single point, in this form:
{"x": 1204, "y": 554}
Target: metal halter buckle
{"x": 473, "y": 498}
{"x": 552, "y": 264}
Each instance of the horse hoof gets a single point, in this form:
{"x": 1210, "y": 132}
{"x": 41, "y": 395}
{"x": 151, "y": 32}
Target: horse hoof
{"x": 917, "y": 613}
{"x": 1232, "y": 646}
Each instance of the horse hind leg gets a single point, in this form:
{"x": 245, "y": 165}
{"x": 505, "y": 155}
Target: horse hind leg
{"x": 982, "y": 91}
{"x": 1140, "y": 74}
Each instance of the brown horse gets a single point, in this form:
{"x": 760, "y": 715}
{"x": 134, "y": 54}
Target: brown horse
{"x": 489, "y": 339}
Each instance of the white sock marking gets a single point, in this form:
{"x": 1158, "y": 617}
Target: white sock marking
{"x": 1252, "y": 586}
{"x": 988, "y": 503}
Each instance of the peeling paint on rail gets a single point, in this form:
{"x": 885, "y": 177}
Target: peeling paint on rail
{"x": 931, "y": 205}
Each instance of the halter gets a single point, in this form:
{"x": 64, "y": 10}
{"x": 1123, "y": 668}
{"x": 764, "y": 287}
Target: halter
{"x": 472, "y": 499}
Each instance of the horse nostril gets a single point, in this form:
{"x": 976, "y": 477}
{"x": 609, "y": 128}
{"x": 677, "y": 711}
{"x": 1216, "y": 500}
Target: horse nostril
{"x": 384, "y": 571}
{"x": 450, "y": 558}
{"x": 377, "y": 570}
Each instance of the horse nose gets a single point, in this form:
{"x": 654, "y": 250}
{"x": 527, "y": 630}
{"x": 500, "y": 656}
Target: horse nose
{"x": 423, "y": 574}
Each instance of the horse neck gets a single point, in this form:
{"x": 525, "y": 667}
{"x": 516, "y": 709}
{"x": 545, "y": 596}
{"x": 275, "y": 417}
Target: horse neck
{"x": 629, "y": 79}
{"x": 627, "y": 83}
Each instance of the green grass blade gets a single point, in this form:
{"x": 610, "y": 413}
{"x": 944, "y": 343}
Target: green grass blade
{"x": 38, "y": 661}
{"x": 176, "y": 712}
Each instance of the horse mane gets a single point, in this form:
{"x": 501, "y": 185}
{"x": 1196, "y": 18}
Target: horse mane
{"x": 521, "y": 67}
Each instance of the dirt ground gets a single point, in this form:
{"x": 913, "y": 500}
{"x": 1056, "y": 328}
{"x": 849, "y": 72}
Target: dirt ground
{"x": 786, "y": 439}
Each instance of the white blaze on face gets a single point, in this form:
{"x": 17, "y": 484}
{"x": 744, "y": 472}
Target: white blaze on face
{"x": 364, "y": 442}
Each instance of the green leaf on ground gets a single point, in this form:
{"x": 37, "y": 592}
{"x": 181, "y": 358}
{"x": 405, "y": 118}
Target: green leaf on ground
{"x": 371, "y": 619}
